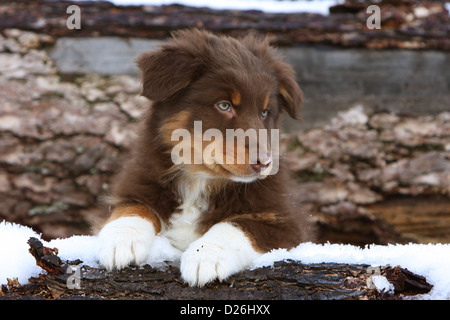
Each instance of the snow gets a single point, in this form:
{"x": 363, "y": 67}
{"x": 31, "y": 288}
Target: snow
{"x": 15, "y": 261}
{"x": 312, "y": 6}
{"x": 429, "y": 260}
{"x": 381, "y": 283}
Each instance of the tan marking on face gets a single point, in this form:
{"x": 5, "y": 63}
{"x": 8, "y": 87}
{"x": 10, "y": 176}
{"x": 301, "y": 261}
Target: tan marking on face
{"x": 266, "y": 101}
{"x": 178, "y": 121}
{"x": 216, "y": 161}
{"x": 227, "y": 162}
{"x": 236, "y": 98}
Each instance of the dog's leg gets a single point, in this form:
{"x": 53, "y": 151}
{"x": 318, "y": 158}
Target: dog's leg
{"x": 222, "y": 251}
{"x": 127, "y": 236}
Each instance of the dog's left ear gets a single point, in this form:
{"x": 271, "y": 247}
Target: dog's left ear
{"x": 290, "y": 93}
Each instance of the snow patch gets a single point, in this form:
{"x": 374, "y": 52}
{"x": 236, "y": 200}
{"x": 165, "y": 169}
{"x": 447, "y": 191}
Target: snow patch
{"x": 15, "y": 260}
{"x": 382, "y": 284}
{"x": 429, "y": 260}
{"x": 311, "y": 6}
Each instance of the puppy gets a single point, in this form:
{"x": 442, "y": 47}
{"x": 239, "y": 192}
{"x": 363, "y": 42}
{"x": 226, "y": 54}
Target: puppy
{"x": 182, "y": 180}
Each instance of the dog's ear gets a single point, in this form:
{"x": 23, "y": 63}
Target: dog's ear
{"x": 291, "y": 95}
{"x": 167, "y": 71}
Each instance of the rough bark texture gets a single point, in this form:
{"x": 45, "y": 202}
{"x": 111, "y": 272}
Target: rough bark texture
{"x": 408, "y": 24}
{"x": 289, "y": 280}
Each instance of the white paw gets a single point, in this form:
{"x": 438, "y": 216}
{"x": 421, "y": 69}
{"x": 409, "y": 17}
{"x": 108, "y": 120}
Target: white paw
{"x": 206, "y": 261}
{"x": 221, "y": 252}
{"x": 125, "y": 241}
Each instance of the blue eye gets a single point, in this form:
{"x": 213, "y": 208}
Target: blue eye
{"x": 223, "y": 105}
{"x": 264, "y": 114}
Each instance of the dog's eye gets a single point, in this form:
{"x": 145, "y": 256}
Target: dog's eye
{"x": 264, "y": 113}
{"x": 223, "y": 105}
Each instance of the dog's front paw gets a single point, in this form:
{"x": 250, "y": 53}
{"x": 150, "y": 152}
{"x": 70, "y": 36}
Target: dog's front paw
{"x": 125, "y": 241}
{"x": 221, "y": 252}
{"x": 205, "y": 261}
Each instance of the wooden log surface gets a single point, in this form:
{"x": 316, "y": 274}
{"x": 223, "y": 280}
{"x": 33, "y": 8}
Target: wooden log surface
{"x": 285, "y": 280}
{"x": 408, "y": 24}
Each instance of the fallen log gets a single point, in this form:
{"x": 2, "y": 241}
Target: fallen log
{"x": 412, "y": 25}
{"x": 285, "y": 280}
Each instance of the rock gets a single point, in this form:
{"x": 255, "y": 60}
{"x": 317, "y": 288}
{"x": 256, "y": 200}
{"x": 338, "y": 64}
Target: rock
{"x": 342, "y": 172}
{"x": 133, "y": 105}
{"x": 367, "y": 163}
{"x": 298, "y": 162}
{"x": 431, "y": 164}
{"x": 53, "y": 86}
{"x": 343, "y": 207}
{"x": 5, "y": 185}
{"x": 34, "y": 182}
{"x": 368, "y": 175}
{"x": 14, "y": 65}
{"x": 383, "y": 121}
{"x": 60, "y": 151}
{"x": 92, "y": 94}
{"x": 362, "y": 144}
{"x": 121, "y": 135}
{"x": 332, "y": 194}
{"x": 352, "y": 117}
{"x": 412, "y": 133}
{"x": 322, "y": 142}
{"x": 28, "y": 40}
{"x": 361, "y": 195}
{"x": 56, "y": 206}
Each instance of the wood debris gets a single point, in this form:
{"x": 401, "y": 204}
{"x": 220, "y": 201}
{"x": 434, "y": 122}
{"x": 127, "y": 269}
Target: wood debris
{"x": 46, "y": 258}
{"x": 406, "y": 24}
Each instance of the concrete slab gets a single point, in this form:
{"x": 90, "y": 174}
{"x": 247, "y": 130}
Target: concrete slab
{"x": 333, "y": 80}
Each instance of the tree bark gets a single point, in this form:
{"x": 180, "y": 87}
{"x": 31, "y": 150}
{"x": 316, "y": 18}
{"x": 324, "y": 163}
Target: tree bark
{"x": 346, "y": 26}
{"x": 285, "y": 280}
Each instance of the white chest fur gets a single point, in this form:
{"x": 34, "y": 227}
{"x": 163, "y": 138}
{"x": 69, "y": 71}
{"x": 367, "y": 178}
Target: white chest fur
{"x": 181, "y": 229}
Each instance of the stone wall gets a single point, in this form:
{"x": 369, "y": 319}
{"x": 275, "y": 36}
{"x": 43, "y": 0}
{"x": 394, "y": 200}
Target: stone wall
{"x": 60, "y": 140}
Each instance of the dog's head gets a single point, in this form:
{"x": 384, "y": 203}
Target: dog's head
{"x": 218, "y": 101}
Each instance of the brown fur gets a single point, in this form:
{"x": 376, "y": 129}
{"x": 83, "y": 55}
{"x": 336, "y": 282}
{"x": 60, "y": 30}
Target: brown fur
{"x": 185, "y": 79}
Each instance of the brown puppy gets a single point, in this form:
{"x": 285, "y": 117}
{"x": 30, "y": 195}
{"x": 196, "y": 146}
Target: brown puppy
{"x": 221, "y": 202}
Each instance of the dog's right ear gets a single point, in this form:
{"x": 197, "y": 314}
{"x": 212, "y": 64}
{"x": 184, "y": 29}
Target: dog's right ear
{"x": 167, "y": 71}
